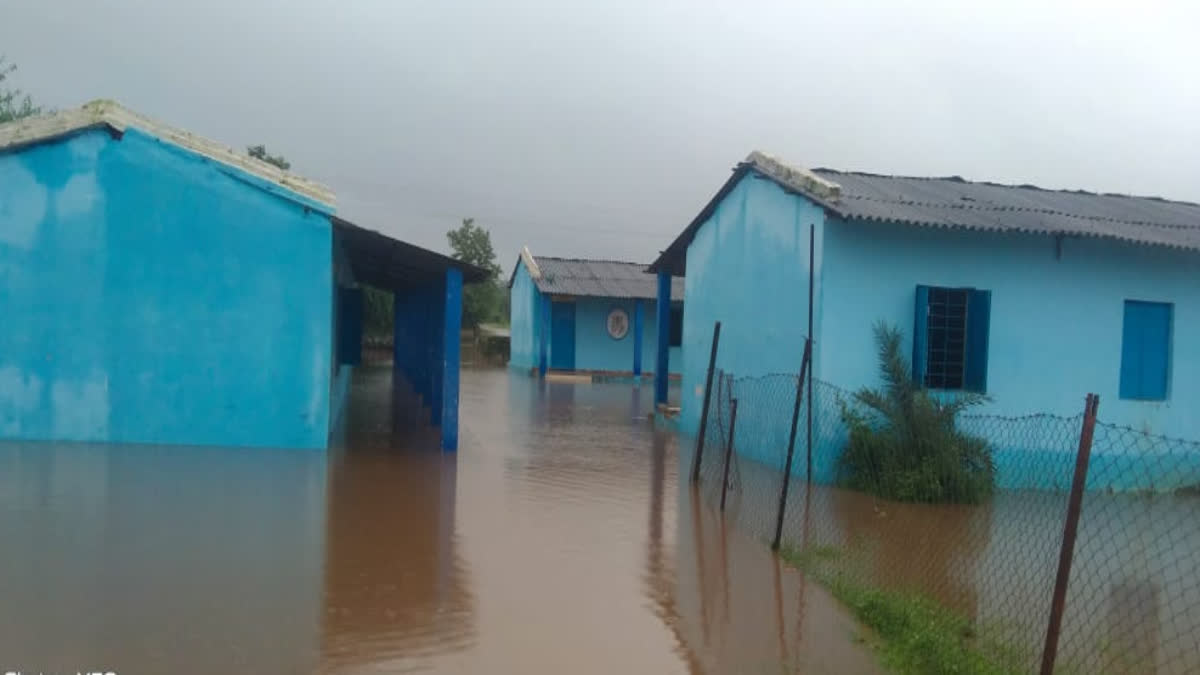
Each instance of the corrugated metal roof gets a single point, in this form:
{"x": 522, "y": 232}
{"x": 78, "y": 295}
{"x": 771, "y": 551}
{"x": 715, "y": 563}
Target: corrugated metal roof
{"x": 99, "y": 114}
{"x": 952, "y": 202}
{"x": 395, "y": 265}
{"x": 599, "y": 278}
{"x": 956, "y": 203}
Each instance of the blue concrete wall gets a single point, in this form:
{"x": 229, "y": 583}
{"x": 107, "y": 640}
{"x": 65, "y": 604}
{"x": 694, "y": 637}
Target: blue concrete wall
{"x": 1055, "y": 335}
{"x": 154, "y": 296}
{"x": 748, "y": 268}
{"x": 595, "y": 349}
{"x": 524, "y": 320}
{"x": 1055, "y": 323}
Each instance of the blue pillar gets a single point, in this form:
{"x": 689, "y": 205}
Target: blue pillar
{"x": 403, "y": 337}
{"x": 420, "y": 355}
{"x": 433, "y": 333}
{"x": 663, "y": 310}
{"x": 452, "y": 326}
{"x": 437, "y": 347}
{"x": 544, "y": 340}
{"x": 433, "y": 336}
{"x": 637, "y": 337}
{"x": 408, "y": 323}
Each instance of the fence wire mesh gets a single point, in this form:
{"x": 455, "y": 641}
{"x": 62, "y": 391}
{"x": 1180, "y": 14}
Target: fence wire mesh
{"x": 985, "y": 557}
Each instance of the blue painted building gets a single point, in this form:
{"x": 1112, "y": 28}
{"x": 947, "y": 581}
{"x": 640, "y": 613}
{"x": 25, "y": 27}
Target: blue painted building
{"x": 595, "y": 316}
{"x": 156, "y": 287}
{"x": 1032, "y": 296}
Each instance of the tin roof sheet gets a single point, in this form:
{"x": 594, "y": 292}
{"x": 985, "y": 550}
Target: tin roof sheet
{"x": 952, "y": 202}
{"x": 956, "y": 203}
{"x": 600, "y": 278}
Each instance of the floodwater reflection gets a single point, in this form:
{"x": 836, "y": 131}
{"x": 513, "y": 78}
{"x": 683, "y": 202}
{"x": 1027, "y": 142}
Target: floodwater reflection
{"x": 396, "y": 591}
{"x": 556, "y": 540}
{"x": 159, "y": 559}
{"x": 739, "y": 609}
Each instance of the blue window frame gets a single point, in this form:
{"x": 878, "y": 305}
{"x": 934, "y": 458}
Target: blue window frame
{"x": 1146, "y": 350}
{"x": 950, "y": 338}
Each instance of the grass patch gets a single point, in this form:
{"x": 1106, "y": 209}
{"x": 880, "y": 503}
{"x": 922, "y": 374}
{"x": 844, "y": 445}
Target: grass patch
{"x": 915, "y": 633}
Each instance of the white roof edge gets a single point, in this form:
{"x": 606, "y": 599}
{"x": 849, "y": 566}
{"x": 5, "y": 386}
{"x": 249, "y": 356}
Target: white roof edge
{"x": 530, "y": 264}
{"x": 38, "y": 128}
{"x": 797, "y": 178}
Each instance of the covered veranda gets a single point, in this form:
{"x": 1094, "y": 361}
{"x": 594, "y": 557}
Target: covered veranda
{"x": 428, "y": 292}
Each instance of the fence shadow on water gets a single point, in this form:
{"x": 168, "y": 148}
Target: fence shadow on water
{"x": 1133, "y": 601}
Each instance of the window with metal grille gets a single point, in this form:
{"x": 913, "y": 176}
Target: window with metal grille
{"x": 950, "y": 338}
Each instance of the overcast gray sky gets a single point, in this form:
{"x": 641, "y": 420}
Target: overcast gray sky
{"x": 600, "y": 129}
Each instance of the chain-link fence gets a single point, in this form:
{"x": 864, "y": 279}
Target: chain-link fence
{"x": 973, "y": 532}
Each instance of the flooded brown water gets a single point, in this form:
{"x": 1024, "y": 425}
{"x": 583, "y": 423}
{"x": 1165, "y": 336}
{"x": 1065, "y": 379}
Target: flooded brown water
{"x": 1133, "y": 603}
{"x": 556, "y": 540}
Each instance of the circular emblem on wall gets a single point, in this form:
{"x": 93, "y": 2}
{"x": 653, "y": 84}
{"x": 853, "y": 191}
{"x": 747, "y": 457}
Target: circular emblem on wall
{"x": 618, "y": 323}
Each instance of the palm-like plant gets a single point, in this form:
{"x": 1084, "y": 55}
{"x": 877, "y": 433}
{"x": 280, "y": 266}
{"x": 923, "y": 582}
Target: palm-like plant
{"x": 904, "y": 443}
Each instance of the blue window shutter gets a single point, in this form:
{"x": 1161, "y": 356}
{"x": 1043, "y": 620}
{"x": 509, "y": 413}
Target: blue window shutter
{"x": 1145, "y": 350}
{"x": 920, "y": 335}
{"x": 979, "y": 310}
{"x": 1131, "y": 352}
{"x": 350, "y": 330}
{"x": 1157, "y": 339}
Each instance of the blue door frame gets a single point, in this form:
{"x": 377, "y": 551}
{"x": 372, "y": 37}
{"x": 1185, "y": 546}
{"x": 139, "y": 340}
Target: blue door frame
{"x": 562, "y": 335}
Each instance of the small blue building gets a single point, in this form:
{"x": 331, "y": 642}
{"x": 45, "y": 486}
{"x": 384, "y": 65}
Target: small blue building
{"x": 593, "y": 316}
{"x": 156, "y": 287}
{"x": 1033, "y": 296}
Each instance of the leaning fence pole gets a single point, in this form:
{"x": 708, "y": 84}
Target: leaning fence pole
{"x": 728, "y": 452}
{"x": 1070, "y": 529}
{"x": 712, "y": 363}
{"x": 812, "y": 236}
{"x": 787, "y": 465}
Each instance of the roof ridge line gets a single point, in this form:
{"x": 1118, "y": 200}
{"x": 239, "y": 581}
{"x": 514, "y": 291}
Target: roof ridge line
{"x": 598, "y": 260}
{"x": 106, "y": 112}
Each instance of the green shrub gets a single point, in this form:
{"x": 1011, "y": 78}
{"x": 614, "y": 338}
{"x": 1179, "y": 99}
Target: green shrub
{"x": 904, "y": 444}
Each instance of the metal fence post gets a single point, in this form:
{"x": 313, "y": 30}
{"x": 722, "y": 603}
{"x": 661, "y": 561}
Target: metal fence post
{"x": 812, "y": 262}
{"x": 728, "y": 452}
{"x": 787, "y": 467}
{"x": 712, "y": 363}
{"x": 1070, "y": 529}
{"x": 808, "y": 470}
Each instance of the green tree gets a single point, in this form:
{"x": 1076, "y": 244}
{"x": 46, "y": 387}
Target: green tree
{"x": 904, "y": 443}
{"x": 14, "y": 104}
{"x": 260, "y": 152}
{"x": 484, "y": 301}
